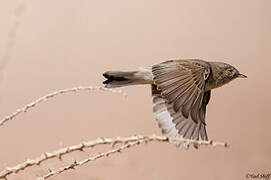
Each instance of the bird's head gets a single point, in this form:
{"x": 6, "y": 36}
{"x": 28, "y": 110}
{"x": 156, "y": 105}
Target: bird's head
{"x": 231, "y": 72}
{"x": 226, "y": 73}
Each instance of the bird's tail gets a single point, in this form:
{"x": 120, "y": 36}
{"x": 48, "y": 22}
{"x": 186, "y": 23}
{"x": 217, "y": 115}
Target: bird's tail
{"x": 126, "y": 78}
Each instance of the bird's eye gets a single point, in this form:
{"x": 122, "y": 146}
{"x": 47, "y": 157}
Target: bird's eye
{"x": 230, "y": 72}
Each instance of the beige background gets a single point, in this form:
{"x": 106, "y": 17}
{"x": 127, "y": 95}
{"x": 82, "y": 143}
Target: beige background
{"x": 53, "y": 45}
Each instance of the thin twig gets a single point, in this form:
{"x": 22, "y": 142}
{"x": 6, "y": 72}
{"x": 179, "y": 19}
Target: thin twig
{"x": 101, "y": 141}
{"x": 89, "y": 159}
{"x": 53, "y": 94}
{"x": 140, "y": 140}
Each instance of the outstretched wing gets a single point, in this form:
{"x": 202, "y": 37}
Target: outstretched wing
{"x": 179, "y": 100}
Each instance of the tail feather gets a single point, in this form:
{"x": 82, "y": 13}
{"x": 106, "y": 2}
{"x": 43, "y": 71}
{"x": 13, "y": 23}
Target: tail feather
{"x": 119, "y": 78}
{"x": 126, "y": 78}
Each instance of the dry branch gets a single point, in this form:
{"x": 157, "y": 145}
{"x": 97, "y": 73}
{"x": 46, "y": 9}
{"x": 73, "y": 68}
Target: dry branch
{"x": 89, "y": 159}
{"x": 53, "y": 94}
{"x": 99, "y": 141}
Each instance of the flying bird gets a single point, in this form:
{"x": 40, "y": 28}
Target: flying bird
{"x": 181, "y": 90}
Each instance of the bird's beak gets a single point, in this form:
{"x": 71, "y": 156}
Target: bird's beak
{"x": 241, "y": 76}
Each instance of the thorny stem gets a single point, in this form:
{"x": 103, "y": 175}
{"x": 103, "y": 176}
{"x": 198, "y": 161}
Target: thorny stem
{"x": 53, "y": 94}
{"x": 100, "y": 141}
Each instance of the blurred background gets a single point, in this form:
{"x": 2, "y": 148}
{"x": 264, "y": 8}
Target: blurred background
{"x": 51, "y": 45}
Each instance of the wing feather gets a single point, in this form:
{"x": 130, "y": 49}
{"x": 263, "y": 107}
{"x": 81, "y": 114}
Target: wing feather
{"x": 179, "y": 98}
{"x": 182, "y": 84}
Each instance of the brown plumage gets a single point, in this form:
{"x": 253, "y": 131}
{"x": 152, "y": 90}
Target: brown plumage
{"x": 181, "y": 90}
